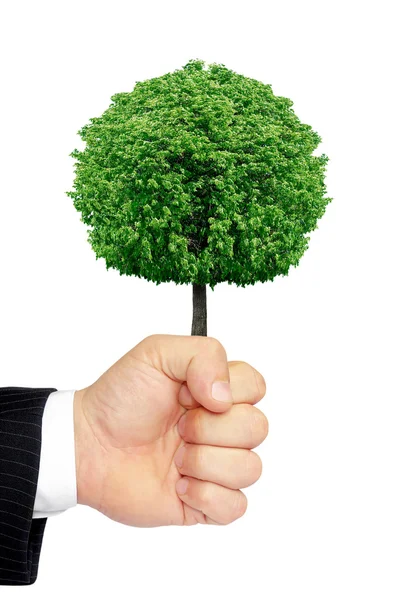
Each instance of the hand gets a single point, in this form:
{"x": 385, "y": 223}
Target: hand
{"x": 155, "y": 401}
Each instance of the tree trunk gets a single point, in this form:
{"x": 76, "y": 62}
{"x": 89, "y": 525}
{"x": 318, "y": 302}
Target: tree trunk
{"x": 199, "y": 318}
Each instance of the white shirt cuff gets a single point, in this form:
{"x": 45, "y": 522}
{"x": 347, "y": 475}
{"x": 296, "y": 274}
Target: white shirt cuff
{"x": 57, "y": 486}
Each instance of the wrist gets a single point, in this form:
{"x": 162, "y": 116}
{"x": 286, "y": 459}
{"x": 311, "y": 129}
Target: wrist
{"x": 89, "y": 459}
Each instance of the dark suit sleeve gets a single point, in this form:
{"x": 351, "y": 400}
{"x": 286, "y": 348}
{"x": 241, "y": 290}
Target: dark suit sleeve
{"x": 21, "y": 412}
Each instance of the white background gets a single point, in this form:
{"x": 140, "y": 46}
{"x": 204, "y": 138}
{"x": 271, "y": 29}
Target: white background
{"x": 324, "y": 520}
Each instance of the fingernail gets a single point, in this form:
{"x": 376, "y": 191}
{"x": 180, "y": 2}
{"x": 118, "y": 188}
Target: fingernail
{"x": 221, "y": 391}
{"x": 182, "y": 485}
{"x": 179, "y": 457}
{"x": 181, "y": 424}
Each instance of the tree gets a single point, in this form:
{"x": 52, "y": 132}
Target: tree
{"x": 200, "y": 176}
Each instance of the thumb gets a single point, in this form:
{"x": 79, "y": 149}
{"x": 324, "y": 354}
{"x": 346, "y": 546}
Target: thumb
{"x": 200, "y": 361}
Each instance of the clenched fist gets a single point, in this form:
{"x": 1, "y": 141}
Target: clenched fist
{"x": 164, "y": 436}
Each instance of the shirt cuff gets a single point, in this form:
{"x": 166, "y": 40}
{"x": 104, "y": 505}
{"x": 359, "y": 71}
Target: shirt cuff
{"x": 57, "y": 486}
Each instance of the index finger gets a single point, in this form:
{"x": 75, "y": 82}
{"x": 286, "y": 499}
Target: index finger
{"x": 248, "y": 386}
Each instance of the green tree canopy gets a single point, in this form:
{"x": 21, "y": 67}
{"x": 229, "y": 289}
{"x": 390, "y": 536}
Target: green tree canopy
{"x": 200, "y": 176}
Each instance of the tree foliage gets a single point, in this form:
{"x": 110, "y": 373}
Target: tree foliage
{"x": 200, "y": 176}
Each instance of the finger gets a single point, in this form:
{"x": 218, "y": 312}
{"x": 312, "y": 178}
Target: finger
{"x": 248, "y": 386}
{"x": 217, "y": 502}
{"x": 186, "y": 399}
{"x": 243, "y": 426}
{"x": 231, "y": 467}
{"x": 200, "y": 361}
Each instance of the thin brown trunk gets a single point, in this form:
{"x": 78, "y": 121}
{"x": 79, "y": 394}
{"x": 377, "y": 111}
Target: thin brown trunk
{"x": 199, "y": 318}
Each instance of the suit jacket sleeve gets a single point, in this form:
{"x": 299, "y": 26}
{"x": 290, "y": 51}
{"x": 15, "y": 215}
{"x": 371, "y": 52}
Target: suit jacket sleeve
{"x": 21, "y": 412}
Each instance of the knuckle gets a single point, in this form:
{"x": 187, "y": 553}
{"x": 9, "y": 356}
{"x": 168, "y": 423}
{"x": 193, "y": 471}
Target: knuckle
{"x": 265, "y": 427}
{"x": 261, "y": 383}
{"x": 149, "y": 346}
{"x": 260, "y": 424}
{"x": 152, "y": 338}
{"x": 240, "y": 505}
{"x": 215, "y": 344}
{"x": 254, "y": 466}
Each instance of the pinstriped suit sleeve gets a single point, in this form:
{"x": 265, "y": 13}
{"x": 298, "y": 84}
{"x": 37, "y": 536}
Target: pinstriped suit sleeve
{"x": 21, "y": 536}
